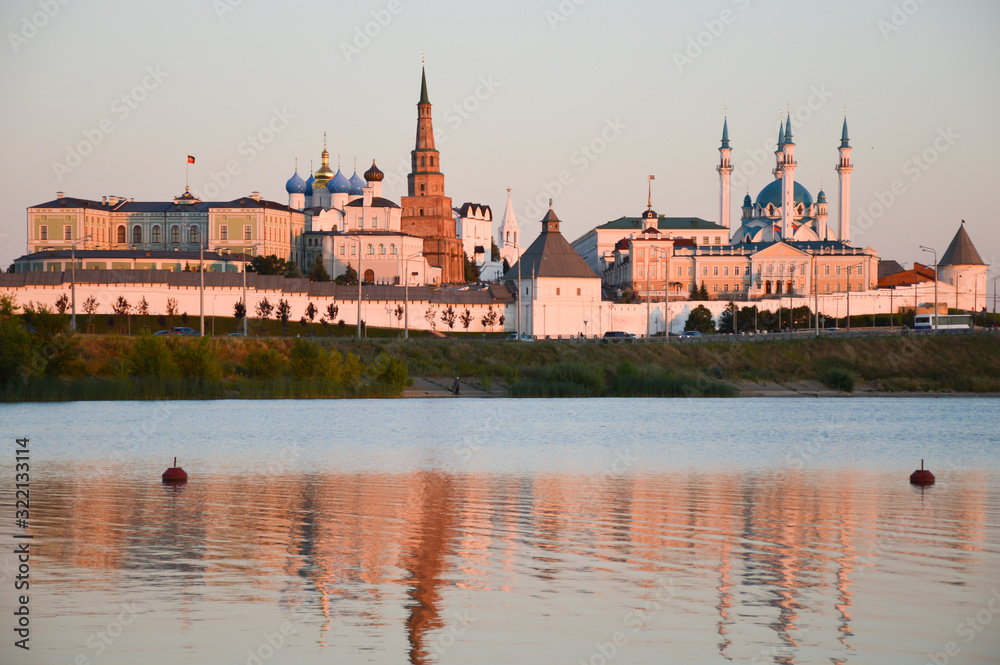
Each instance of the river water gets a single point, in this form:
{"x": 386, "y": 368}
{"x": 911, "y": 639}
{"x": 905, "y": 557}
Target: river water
{"x": 506, "y": 531}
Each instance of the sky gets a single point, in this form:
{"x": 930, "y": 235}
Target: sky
{"x": 575, "y": 100}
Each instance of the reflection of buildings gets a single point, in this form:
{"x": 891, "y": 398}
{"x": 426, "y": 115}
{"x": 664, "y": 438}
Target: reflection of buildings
{"x": 764, "y": 552}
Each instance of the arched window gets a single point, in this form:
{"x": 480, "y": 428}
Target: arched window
{"x": 121, "y": 235}
{"x": 194, "y": 236}
{"x": 392, "y": 248}
{"x": 381, "y": 249}
{"x": 369, "y": 276}
{"x": 508, "y": 236}
{"x": 157, "y": 235}
{"x": 137, "y": 235}
{"x": 515, "y": 237}
{"x": 422, "y": 158}
{"x": 175, "y": 234}
{"x": 371, "y": 250}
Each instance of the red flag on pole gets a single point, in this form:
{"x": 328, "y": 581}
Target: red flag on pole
{"x": 190, "y": 159}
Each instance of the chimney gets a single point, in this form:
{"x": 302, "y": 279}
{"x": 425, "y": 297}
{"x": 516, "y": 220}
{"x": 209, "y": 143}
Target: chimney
{"x": 255, "y": 196}
{"x": 104, "y": 200}
{"x": 60, "y": 195}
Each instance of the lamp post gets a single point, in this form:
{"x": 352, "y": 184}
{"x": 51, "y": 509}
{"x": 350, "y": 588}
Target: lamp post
{"x": 246, "y": 307}
{"x": 995, "y": 301}
{"x": 72, "y": 269}
{"x": 934, "y": 252}
{"x": 358, "y": 240}
{"x": 666, "y": 277}
{"x": 406, "y": 294}
{"x": 849, "y": 298}
{"x": 201, "y": 271}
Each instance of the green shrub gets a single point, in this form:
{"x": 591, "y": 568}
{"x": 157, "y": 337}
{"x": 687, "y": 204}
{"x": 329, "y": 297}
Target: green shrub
{"x": 151, "y": 357}
{"x": 840, "y": 379}
{"x": 263, "y": 363}
{"x": 199, "y": 360}
{"x": 308, "y": 360}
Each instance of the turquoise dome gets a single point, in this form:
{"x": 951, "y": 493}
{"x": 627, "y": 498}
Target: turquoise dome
{"x": 821, "y": 197}
{"x": 747, "y": 202}
{"x": 772, "y": 195}
{"x": 357, "y": 185}
{"x": 339, "y": 184}
{"x": 309, "y": 184}
{"x": 296, "y": 185}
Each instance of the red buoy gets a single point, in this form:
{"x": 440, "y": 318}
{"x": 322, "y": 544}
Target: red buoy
{"x": 921, "y": 476}
{"x": 175, "y": 473}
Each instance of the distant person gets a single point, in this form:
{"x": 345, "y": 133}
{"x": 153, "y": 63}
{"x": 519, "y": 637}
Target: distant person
{"x": 455, "y": 388}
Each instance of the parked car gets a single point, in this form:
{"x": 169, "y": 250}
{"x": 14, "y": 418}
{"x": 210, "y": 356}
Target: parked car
{"x": 525, "y": 337}
{"x": 239, "y": 333}
{"x": 184, "y": 330}
{"x": 162, "y": 332}
{"x": 690, "y": 333}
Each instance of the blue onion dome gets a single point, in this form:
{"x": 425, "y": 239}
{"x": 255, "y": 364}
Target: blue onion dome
{"x": 309, "y": 184}
{"x": 374, "y": 174}
{"x": 296, "y": 185}
{"x": 357, "y": 185}
{"x": 339, "y": 184}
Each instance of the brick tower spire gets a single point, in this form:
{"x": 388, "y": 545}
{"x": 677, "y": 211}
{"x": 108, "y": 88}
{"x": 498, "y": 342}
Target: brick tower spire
{"x": 427, "y": 211}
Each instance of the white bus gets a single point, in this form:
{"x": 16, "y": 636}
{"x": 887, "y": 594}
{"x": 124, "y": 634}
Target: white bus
{"x": 945, "y": 322}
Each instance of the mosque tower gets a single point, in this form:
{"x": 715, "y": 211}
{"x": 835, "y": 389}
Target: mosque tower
{"x": 788, "y": 165}
{"x": 844, "y": 169}
{"x": 725, "y": 168}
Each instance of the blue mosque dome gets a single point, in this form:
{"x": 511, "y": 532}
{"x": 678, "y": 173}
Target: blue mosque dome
{"x": 357, "y": 185}
{"x": 309, "y": 185}
{"x": 339, "y": 184}
{"x": 772, "y": 195}
{"x": 296, "y": 185}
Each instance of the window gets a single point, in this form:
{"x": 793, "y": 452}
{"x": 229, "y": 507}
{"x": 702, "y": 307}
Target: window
{"x": 120, "y": 235}
{"x": 137, "y": 235}
{"x": 354, "y": 250}
{"x": 725, "y": 272}
{"x": 639, "y": 268}
{"x": 342, "y": 250}
{"x": 704, "y": 271}
{"x": 392, "y": 248}
{"x": 175, "y": 234}
{"x": 375, "y": 222}
{"x": 508, "y": 236}
{"x": 247, "y": 232}
{"x": 223, "y": 232}
{"x": 43, "y": 232}
{"x": 826, "y": 272}
{"x": 371, "y": 249}
{"x": 679, "y": 271}
{"x": 422, "y": 161}
{"x": 638, "y": 253}
{"x": 690, "y": 271}
{"x": 718, "y": 240}
{"x": 715, "y": 288}
{"x": 704, "y": 240}
{"x": 578, "y": 291}
{"x": 557, "y": 290}
{"x": 715, "y": 271}
{"x": 194, "y": 235}
{"x": 421, "y": 191}
{"x": 381, "y": 249}
{"x": 68, "y": 232}
{"x": 838, "y": 271}
{"x": 725, "y": 287}
{"x": 736, "y": 271}
{"x": 827, "y": 288}
{"x": 515, "y": 237}
{"x": 157, "y": 234}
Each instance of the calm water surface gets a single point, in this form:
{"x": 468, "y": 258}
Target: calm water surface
{"x": 508, "y": 531}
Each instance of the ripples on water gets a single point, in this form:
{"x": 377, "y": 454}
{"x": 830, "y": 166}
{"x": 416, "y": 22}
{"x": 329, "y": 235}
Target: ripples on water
{"x": 502, "y": 531}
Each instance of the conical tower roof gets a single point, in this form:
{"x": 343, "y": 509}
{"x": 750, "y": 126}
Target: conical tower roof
{"x": 961, "y": 251}
{"x": 550, "y": 255}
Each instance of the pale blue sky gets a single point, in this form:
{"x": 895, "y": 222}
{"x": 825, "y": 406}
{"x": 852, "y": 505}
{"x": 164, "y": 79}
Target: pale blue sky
{"x": 546, "y": 87}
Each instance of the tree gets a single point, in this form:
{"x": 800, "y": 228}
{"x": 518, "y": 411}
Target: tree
{"x": 471, "y": 269}
{"x": 90, "y": 305}
{"x": 10, "y": 268}
{"x": 506, "y": 266}
{"x": 398, "y": 312}
{"x": 284, "y": 310}
{"x": 700, "y": 319}
{"x": 264, "y": 308}
{"x": 448, "y": 316}
{"x": 726, "y": 318}
{"x": 489, "y": 318}
{"x": 62, "y": 303}
{"x": 121, "y": 306}
{"x": 311, "y": 311}
{"x": 501, "y": 320}
{"x": 331, "y": 311}
{"x": 142, "y": 308}
{"x": 171, "y": 307}
{"x": 239, "y": 309}
{"x": 267, "y": 265}
{"x": 466, "y": 319}
{"x": 292, "y": 270}
{"x": 319, "y": 273}
{"x": 494, "y": 250}
{"x": 430, "y": 315}
{"x": 703, "y": 292}
{"x": 349, "y": 276}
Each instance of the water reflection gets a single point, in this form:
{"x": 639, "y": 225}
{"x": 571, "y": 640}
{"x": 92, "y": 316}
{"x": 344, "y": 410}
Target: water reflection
{"x": 768, "y": 562}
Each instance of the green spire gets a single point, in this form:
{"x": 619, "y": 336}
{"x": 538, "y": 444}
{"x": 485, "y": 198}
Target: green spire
{"x": 423, "y": 87}
{"x": 788, "y": 129}
{"x": 725, "y": 133}
{"x": 844, "y": 141}
{"x": 781, "y": 133}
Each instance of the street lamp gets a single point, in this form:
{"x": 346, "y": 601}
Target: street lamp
{"x": 246, "y": 307}
{"x": 72, "y": 264}
{"x": 406, "y": 292}
{"x": 934, "y": 252}
{"x": 995, "y": 301}
{"x": 649, "y": 298}
{"x": 849, "y": 298}
{"x": 358, "y": 240}
{"x": 201, "y": 271}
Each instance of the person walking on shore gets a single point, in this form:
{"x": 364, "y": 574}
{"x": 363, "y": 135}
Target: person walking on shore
{"x": 456, "y": 386}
